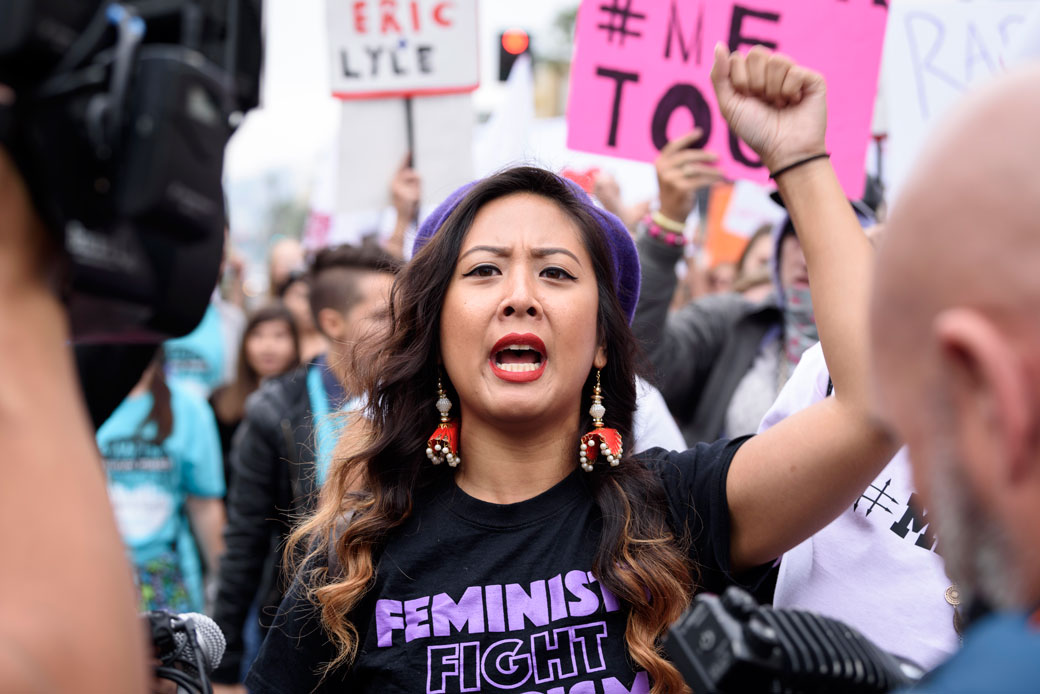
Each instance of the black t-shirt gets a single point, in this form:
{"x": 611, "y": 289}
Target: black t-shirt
{"x": 471, "y": 596}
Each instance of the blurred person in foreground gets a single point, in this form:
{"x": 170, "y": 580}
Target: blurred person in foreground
{"x": 955, "y": 327}
{"x": 66, "y": 589}
{"x": 283, "y": 448}
{"x": 270, "y": 347}
{"x": 720, "y": 360}
{"x": 166, "y": 480}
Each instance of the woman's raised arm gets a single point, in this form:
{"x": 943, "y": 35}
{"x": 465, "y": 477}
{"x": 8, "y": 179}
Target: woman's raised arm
{"x": 795, "y": 478}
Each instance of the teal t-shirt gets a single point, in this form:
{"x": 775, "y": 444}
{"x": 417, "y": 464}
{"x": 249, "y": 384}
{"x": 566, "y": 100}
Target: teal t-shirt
{"x": 197, "y": 359}
{"x": 148, "y": 484}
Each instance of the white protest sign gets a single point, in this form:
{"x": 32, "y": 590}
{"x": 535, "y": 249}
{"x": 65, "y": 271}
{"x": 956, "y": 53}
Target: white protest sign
{"x": 384, "y": 48}
{"x": 934, "y": 52}
{"x": 1027, "y": 42}
{"x": 373, "y": 143}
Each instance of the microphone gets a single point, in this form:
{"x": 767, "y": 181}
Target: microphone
{"x": 189, "y": 646}
{"x": 208, "y": 636}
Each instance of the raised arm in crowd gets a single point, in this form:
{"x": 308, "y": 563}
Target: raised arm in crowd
{"x": 721, "y": 359}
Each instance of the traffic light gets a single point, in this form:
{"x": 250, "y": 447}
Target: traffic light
{"x": 512, "y": 44}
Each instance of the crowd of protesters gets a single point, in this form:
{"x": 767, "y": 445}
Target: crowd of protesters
{"x": 261, "y": 469}
{"x": 733, "y": 350}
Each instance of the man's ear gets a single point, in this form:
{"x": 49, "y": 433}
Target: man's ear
{"x": 600, "y": 360}
{"x": 331, "y": 323}
{"x": 988, "y": 380}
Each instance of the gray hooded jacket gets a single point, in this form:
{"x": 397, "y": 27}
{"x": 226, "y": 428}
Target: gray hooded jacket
{"x": 701, "y": 352}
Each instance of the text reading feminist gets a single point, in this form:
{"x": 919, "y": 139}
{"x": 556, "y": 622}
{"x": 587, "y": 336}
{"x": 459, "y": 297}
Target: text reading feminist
{"x": 547, "y": 636}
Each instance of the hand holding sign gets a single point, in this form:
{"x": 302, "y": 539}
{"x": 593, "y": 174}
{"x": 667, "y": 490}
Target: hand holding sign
{"x": 406, "y": 190}
{"x": 681, "y": 171}
{"x": 778, "y": 108}
{"x": 405, "y": 194}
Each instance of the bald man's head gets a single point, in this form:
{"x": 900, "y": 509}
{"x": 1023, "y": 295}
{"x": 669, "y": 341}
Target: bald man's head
{"x": 956, "y": 330}
{"x": 964, "y": 228}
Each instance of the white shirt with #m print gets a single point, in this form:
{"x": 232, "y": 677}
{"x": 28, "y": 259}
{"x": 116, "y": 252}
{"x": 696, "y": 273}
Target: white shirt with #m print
{"x": 875, "y": 567}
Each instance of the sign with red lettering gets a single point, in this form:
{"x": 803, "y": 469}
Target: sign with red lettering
{"x": 641, "y": 74}
{"x": 387, "y": 48}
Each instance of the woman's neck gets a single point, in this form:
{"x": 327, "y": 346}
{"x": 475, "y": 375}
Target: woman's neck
{"x": 506, "y": 466}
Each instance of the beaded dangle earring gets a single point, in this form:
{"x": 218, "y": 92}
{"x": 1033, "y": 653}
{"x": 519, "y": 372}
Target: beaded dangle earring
{"x": 601, "y": 440}
{"x": 444, "y": 444}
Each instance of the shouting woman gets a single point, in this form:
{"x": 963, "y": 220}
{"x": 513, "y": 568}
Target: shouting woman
{"x": 520, "y": 547}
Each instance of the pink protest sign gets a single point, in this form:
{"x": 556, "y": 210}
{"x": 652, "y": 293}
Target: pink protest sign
{"x": 641, "y": 73}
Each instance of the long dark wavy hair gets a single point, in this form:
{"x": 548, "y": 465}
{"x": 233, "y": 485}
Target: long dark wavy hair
{"x": 639, "y": 557}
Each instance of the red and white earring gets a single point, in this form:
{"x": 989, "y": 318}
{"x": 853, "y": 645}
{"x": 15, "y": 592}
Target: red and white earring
{"x": 601, "y": 440}
{"x": 444, "y": 444}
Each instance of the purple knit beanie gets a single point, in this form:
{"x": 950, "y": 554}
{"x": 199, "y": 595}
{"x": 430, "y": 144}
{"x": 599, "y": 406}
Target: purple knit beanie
{"x": 623, "y": 254}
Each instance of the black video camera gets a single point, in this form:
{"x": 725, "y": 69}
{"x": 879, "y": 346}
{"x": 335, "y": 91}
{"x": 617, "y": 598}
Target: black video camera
{"x": 732, "y": 645}
{"x": 121, "y": 114}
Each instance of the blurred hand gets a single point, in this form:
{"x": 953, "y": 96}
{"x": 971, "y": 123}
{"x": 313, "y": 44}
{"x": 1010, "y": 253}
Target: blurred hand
{"x": 606, "y": 189}
{"x": 405, "y": 190}
{"x": 681, "y": 171}
{"x": 229, "y": 688}
{"x": 777, "y": 107}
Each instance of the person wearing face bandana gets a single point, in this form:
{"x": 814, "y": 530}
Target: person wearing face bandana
{"x": 721, "y": 360}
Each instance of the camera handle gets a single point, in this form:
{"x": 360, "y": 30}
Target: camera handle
{"x": 105, "y": 111}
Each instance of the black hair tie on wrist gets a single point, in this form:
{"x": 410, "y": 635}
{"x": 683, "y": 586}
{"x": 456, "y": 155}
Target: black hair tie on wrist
{"x": 773, "y": 174}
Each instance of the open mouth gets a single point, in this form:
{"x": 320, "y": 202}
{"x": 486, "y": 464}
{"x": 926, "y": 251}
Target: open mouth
{"x": 518, "y": 358}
